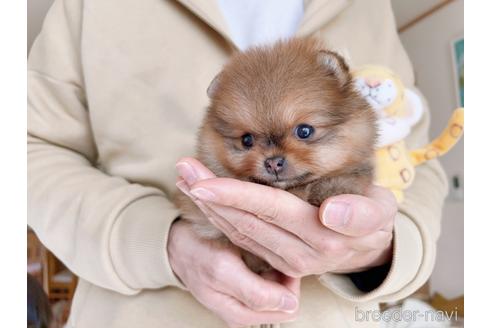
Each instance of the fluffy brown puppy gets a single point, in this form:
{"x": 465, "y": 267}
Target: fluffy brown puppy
{"x": 287, "y": 116}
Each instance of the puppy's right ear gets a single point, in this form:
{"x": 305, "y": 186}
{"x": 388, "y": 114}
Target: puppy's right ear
{"x": 212, "y": 88}
{"x": 335, "y": 65}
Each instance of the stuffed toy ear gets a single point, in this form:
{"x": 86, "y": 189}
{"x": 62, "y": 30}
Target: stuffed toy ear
{"x": 335, "y": 65}
{"x": 212, "y": 88}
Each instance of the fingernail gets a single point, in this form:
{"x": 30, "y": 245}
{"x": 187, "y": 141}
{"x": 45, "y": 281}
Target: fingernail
{"x": 203, "y": 194}
{"x": 187, "y": 172}
{"x": 288, "y": 303}
{"x": 336, "y": 214}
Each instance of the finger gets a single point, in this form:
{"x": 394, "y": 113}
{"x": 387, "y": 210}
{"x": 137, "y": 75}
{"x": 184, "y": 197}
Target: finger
{"x": 297, "y": 256}
{"x": 255, "y": 292}
{"x": 237, "y": 314}
{"x": 294, "y": 254}
{"x": 249, "y": 244}
{"x": 266, "y": 240}
{"x": 241, "y": 240}
{"x": 274, "y": 206}
{"x": 356, "y": 215}
{"x": 355, "y": 246}
{"x": 191, "y": 170}
{"x": 247, "y": 229}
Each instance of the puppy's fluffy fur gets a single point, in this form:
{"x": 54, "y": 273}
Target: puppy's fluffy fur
{"x": 259, "y": 103}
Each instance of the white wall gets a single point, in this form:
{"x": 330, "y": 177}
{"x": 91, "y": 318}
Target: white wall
{"x": 429, "y": 46}
{"x": 406, "y": 10}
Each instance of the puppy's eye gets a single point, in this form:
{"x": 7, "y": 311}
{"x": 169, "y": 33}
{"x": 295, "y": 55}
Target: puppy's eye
{"x": 304, "y": 131}
{"x": 247, "y": 140}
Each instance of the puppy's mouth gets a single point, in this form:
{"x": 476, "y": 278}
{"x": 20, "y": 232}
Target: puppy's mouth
{"x": 282, "y": 183}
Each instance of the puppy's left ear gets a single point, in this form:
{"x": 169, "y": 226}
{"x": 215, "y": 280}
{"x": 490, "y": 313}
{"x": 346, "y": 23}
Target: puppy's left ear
{"x": 335, "y": 65}
{"x": 212, "y": 88}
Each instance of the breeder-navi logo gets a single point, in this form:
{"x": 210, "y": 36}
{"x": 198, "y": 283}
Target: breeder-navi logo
{"x": 398, "y": 315}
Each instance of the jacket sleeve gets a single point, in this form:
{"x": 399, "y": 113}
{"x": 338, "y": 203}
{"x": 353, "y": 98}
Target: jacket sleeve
{"x": 108, "y": 231}
{"x": 416, "y": 230}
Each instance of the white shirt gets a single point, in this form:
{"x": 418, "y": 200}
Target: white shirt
{"x": 258, "y": 22}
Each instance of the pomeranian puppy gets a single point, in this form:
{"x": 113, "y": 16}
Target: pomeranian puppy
{"x": 286, "y": 116}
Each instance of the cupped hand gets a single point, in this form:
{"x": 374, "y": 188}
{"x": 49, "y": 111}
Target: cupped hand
{"x": 348, "y": 233}
{"x": 216, "y": 276}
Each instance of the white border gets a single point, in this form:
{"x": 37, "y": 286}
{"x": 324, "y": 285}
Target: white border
{"x": 478, "y": 164}
{"x": 13, "y": 194}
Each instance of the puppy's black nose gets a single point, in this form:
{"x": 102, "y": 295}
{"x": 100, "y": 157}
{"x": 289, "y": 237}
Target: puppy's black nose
{"x": 275, "y": 165}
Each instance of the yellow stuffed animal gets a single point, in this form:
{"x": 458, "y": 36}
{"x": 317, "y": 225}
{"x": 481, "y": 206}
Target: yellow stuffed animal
{"x": 399, "y": 109}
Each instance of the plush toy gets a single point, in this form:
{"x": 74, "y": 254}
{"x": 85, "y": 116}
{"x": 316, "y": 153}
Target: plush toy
{"x": 398, "y": 109}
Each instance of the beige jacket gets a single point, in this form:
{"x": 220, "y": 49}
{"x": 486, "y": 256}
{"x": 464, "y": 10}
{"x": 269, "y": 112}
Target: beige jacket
{"x": 116, "y": 92}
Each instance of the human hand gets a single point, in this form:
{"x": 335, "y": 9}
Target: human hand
{"x": 216, "y": 276}
{"x": 348, "y": 233}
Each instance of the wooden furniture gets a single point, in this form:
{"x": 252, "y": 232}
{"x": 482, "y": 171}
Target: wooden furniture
{"x": 34, "y": 256}
{"x": 59, "y": 283}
